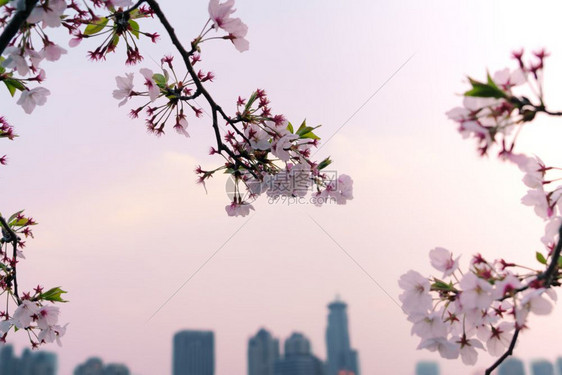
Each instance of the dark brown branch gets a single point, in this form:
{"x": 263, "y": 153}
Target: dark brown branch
{"x": 17, "y": 21}
{"x": 215, "y": 108}
{"x": 547, "y": 277}
{"x": 506, "y": 354}
{"x": 13, "y": 238}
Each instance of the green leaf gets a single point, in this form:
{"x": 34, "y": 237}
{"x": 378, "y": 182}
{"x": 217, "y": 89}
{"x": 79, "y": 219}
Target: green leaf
{"x": 19, "y": 223}
{"x": 160, "y": 80}
{"x": 540, "y": 258}
{"x": 485, "y": 90}
{"x": 13, "y": 85}
{"x": 290, "y": 128}
{"x": 251, "y": 101}
{"x": 115, "y": 40}
{"x": 4, "y": 2}
{"x": 96, "y": 27}
{"x": 14, "y": 215}
{"x": 134, "y": 27}
{"x": 560, "y": 262}
{"x": 53, "y": 295}
{"x": 324, "y": 163}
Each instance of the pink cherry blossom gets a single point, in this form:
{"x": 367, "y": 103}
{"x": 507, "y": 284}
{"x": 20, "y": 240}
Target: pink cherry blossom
{"x": 442, "y": 260}
{"x": 31, "y": 98}
{"x": 446, "y": 348}
{"x": 124, "y": 88}
{"x": 50, "y": 15}
{"x": 500, "y": 338}
{"x": 220, "y": 12}
{"x": 239, "y": 209}
{"x": 476, "y": 292}
{"x": 52, "y": 52}
{"x": 153, "y": 89}
{"x": 468, "y": 347}
{"x": 281, "y": 147}
{"x": 415, "y": 297}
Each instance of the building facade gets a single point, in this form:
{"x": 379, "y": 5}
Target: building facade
{"x": 298, "y": 358}
{"x": 512, "y": 366}
{"x": 427, "y": 368}
{"x": 542, "y": 367}
{"x": 340, "y": 354}
{"x": 194, "y": 353}
{"x": 263, "y": 352}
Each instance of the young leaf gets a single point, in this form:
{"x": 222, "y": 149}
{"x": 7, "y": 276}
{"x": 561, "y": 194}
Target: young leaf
{"x": 53, "y": 295}
{"x": 540, "y": 258}
{"x": 485, "y": 90}
{"x": 96, "y": 27}
{"x": 13, "y": 85}
{"x": 324, "y": 163}
{"x": 134, "y": 28}
{"x": 290, "y": 128}
{"x": 160, "y": 80}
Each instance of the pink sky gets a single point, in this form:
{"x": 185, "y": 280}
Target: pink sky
{"x": 123, "y": 225}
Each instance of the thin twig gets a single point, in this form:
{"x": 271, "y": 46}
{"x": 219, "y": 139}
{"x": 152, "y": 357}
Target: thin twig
{"x": 547, "y": 277}
{"x": 506, "y": 354}
{"x": 13, "y": 239}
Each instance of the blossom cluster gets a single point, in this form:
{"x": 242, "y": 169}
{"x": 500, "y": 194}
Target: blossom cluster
{"x": 262, "y": 150}
{"x": 34, "y": 312}
{"x": 482, "y": 308}
{"x": 491, "y": 110}
{"x": 460, "y": 313}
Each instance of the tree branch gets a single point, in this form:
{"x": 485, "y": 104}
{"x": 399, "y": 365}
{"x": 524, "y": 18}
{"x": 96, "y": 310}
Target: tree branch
{"x": 215, "y": 108}
{"x": 13, "y": 238}
{"x": 506, "y": 354}
{"x": 547, "y": 277}
{"x": 16, "y": 23}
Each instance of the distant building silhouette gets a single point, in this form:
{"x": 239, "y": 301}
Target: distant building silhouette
{"x": 542, "y": 367}
{"x": 340, "y": 354}
{"x": 298, "y": 358}
{"x": 512, "y": 366}
{"x": 559, "y": 365}
{"x": 194, "y": 353}
{"x": 427, "y": 368}
{"x": 95, "y": 366}
{"x": 263, "y": 351}
{"x": 30, "y": 363}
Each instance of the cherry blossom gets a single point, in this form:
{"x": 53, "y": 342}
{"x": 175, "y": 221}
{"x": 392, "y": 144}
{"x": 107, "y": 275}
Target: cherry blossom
{"x": 124, "y": 88}
{"x": 34, "y": 97}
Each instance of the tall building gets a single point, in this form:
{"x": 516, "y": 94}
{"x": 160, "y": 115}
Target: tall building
{"x": 427, "y": 368}
{"x": 542, "y": 367}
{"x": 559, "y": 365}
{"x": 340, "y": 354}
{"x": 263, "y": 351}
{"x": 194, "y": 353}
{"x": 298, "y": 358}
{"x": 512, "y": 366}
{"x": 95, "y": 366}
{"x": 30, "y": 363}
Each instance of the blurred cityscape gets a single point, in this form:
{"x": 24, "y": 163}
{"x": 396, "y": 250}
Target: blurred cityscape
{"x": 194, "y": 354}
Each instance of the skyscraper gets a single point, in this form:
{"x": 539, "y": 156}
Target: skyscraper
{"x": 263, "y": 351}
{"x": 194, "y": 353}
{"x": 340, "y": 354}
{"x": 512, "y": 366}
{"x": 542, "y": 367}
{"x": 30, "y": 363}
{"x": 559, "y": 365}
{"x": 298, "y": 358}
{"x": 427, "y": 368}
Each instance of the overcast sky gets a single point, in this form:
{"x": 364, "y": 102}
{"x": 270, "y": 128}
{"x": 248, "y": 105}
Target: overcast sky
{"x": 123, "y": 224}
